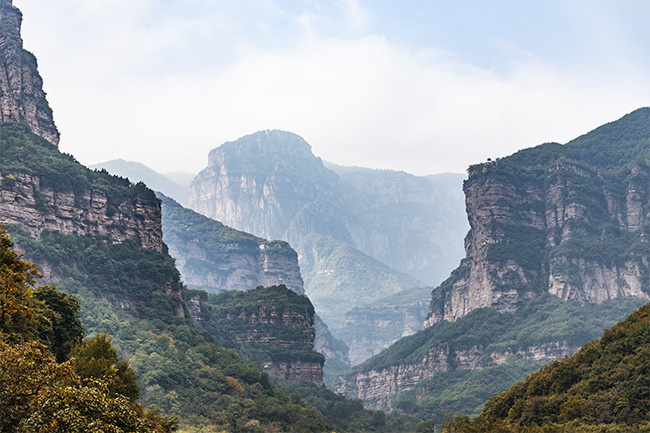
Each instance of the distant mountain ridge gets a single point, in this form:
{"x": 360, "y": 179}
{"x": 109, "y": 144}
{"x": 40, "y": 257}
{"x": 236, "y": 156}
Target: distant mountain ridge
{"x": 138, "y": 172}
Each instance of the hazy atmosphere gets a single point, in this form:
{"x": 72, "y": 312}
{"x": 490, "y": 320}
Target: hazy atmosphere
{"x": 420, "y": 86}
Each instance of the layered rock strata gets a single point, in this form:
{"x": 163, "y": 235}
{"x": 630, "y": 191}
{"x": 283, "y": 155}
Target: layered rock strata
{"x": 377, "y": 388}
{"x": 569, "y": 223}
{"x": 24, "y": 202}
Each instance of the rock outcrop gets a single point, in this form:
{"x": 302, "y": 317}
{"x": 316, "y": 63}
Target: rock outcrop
{"x": 569, "y": 219}
{"x": 214, "y": 257}
{"x": 272, "y": 326}
{"x": 378, "y": 388}
{"x": 24, "y": 202}
{"x": 22, "y": 98}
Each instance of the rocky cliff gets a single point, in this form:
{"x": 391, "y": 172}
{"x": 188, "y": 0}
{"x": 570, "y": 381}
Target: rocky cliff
{"x": 377, "y": 389}
{"x": 571, "y": 220}
{"x": 272, "y": 326}
{"x": 215, "y": 257}
{"x": 22, "y": 98}
{"x": 360, "y": 234}
{"x": 270, "y": 184}
{"x": 24, "y": 201}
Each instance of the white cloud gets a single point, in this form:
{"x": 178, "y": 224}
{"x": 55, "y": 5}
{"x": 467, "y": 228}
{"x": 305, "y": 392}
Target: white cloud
{"x": 362, "y": 100}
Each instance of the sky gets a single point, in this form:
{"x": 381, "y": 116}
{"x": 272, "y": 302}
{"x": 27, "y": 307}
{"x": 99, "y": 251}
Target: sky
{"x": 423, "y": 86}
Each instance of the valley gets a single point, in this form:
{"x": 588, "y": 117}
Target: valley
{"x": 274, "y": 291}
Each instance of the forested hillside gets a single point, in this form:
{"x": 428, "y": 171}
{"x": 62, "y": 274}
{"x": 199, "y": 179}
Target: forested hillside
{"x": 603, "y": 387}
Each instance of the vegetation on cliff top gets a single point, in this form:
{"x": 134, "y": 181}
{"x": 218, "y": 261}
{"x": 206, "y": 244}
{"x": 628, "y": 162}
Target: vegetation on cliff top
{"x": 24, "y": 152}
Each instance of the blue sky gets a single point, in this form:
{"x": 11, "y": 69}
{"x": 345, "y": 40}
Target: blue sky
{"x": 420, "y": 86}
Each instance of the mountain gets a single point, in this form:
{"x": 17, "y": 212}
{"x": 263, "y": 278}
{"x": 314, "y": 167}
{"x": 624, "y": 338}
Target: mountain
{"x": 603, "y": 387}
{"x": 137, "y": 172}
{"x": 334, "y": 270}
{"x": 360, "y": 234}
{"x": 270, "y": 184}
{"x": 411, "y": 223}
{"x": 571, "y": 220}
{"x": 99, "y": 238}
{"x": 557, "y": 251}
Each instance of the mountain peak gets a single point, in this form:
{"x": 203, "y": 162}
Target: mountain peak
{"x": 22, "y": 98}
{"x": 271, "y": 143}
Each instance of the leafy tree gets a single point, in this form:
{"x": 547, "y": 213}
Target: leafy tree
{"x": 21, "y": 313}
{"x": 63, "y": 313}
{"x": 96, "y": 358}
{"x": 37, "y": 394}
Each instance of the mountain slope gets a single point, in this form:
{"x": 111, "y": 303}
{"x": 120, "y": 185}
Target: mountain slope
{"x": 607, "y": 384}
{"x": 214, "y": 257}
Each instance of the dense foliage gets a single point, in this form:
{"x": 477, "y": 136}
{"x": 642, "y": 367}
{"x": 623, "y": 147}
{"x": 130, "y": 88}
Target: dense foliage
{"x": 40, "y": 392}
{"x": 605, "y": 387}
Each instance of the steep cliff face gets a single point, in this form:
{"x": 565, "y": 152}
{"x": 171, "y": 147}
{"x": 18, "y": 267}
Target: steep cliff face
{"x": 270, "y": 184}
{"x": 215, "y": 257}
{"x": 558, "y": 241}
{"x": 272, "y": 326}
{"x": 22, "y": 98}
{"x": 23, "y": 201}
{"x": 377, "y": 389}
{"x": 569, "y": 219}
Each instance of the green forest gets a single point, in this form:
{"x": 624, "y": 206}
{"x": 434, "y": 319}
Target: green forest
{"x": 605, "y": 387}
